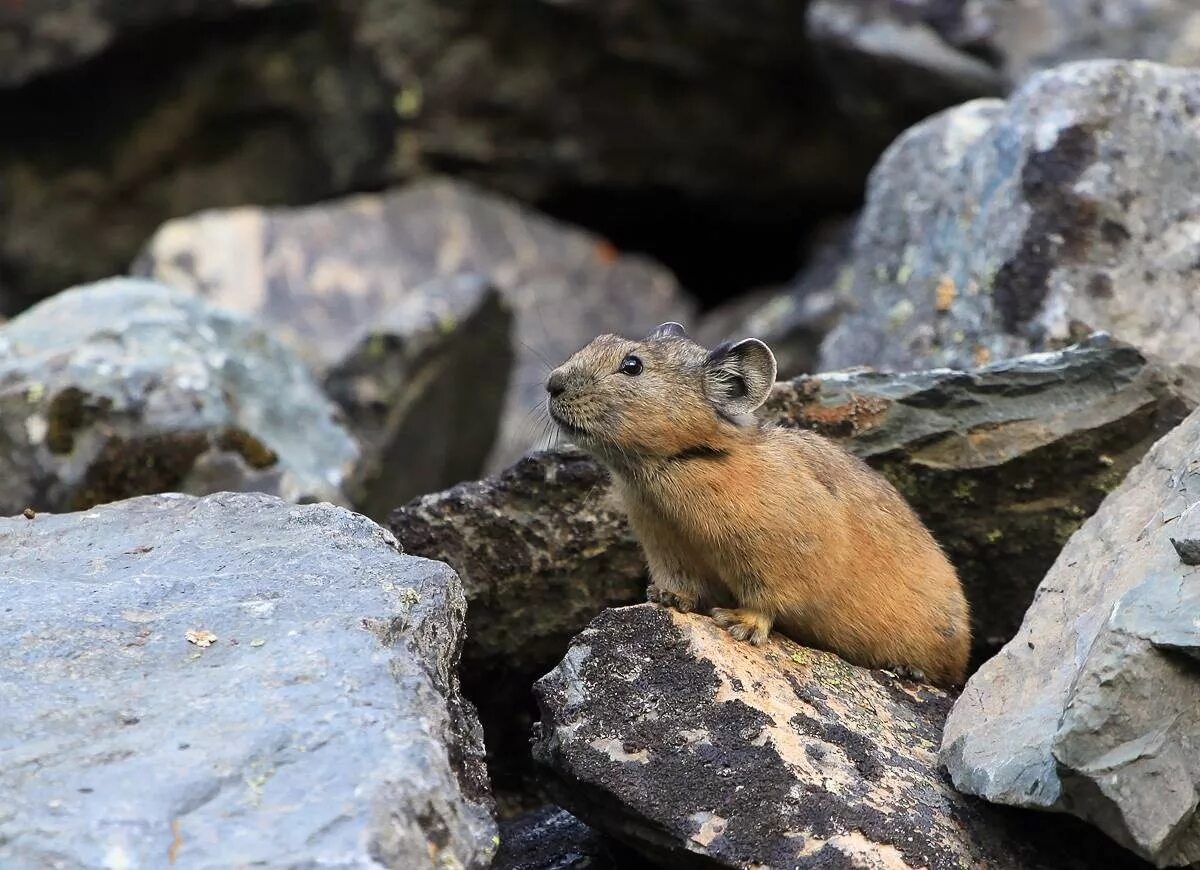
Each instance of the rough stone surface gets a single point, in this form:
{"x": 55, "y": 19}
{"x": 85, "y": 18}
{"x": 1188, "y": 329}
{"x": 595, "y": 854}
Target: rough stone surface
{"x": 293, "y": 267}
{"x": 540, "y": 548}
{"x": 1003, "y": 463}
{"x": 998, "y": 228}
{"x": 423, "y": 390}
{"x": 127, "y": 387}
{"x": 552, "y": 839}
{"x": 1094, "y": 707}
{"x": 323, "y": 726}
{"x": 699, "y": 750}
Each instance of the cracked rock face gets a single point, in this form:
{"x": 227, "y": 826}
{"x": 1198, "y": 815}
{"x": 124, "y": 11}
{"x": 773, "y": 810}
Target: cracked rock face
{"x": 126, "y": 387}
{"x": 1094, "y": 707}
{"x": 698, "y": 750}
{"x": 322, "y": 276}
{"x": 997, "y": 228}
{"x": 315, "y": 719}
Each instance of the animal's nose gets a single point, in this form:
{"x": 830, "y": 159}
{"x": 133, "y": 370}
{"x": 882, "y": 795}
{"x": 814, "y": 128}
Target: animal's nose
{"x": 556, "y": 383}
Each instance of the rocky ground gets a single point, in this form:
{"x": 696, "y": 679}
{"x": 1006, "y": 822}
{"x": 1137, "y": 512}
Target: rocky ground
{"x": 292, "y": 572}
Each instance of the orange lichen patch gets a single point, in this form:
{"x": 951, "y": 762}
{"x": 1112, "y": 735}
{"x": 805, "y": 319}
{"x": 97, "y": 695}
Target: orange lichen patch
{"x": 983, "y": 356}
{"x": 606, "y": 252}
{"x": 856, "y": 415}
{"x": 946, "y": 291}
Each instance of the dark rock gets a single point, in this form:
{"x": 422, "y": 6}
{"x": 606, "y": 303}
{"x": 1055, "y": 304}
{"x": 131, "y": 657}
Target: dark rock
{"x": 1003, "y": 463}
{"x": 127, "y": 387}
{"x": 320, "y": 276}
{"x": 323, "y": 725}
{"x": 540, "y": 548}
{"x": 552, "y": 839}
{"x": 1094, "y": 707}
{"x": 998, "y": 228}
{"x": 699, "y": 750}
{"x": 794, "y": 320}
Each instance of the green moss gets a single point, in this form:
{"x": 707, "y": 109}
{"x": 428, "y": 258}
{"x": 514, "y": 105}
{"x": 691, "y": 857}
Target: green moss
{"x": 256, "y": 454}
{"x": 67, "y": 414}
{"x": 127, "y": 468}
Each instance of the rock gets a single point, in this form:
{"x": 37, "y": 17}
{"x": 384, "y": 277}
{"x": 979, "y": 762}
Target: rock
{"x": 1094, "y": 707}
{"x": 359, "y": 256}
{"x": 423, "y": 389}
{"x": 1003, "y": 463}
{"x": 252, "y": 101}
{"x": 126, "y": 387}
{"x": 315, "y": 719}
{"x": 999, "y": 228}
{"x": 540, "y": 548}
{"x": 699, "y": 750}
{"x": 794, "y": 320}
{"x": 552, "y": 839}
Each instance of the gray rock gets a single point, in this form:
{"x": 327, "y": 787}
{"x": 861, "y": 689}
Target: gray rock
{"x": 998, "y": 228}
{"x": 541, "y": 548}
{"x": 699, "y": 750}
{"x": 357, "y": 257}
{"x": 423, "y": 390}
{"x": 126, "y": 387}
{"x": 1094, "y": 707}
{"x": 322, "y": 727}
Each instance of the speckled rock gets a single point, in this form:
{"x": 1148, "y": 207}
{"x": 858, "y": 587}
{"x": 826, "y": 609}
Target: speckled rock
{"x": 314, "y": 719}
{"x": 1094, "y": 707}
{"x": 699, "y": 750}
{"x": 1002, "y": 227}
{"x": 127, "y": 387}
{"x": 357, "y": 257}
{"x": 550, "y": 838}
{"x": 540, "y": 548}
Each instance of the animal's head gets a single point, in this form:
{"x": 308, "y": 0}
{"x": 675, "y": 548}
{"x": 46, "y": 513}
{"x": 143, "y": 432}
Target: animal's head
{"x": 659, "y": 396}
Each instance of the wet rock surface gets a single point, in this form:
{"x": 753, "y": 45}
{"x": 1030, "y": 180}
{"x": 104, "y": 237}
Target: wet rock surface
{"x": 127, "y": 387}
{"x": 550, "y": 838}
{"x": 541, "y": 548}
{"x": 313, "y": 717}
{"x": 699, "y": 750}
{"x": 1002, "y": 227}
{"x": 322, "y": 275}
{"x": 1092, "y": 709}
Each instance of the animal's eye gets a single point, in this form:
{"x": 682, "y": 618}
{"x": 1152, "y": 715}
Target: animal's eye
{"x": 631, "y": 366}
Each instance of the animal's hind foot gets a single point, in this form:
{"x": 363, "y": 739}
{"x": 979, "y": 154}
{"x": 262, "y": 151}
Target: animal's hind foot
{"x": 743, "y": 624}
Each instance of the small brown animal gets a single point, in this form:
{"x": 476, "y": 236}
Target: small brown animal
{"x": 780, "y": 527}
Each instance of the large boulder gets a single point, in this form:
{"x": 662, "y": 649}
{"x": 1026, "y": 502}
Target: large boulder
{"x": 232, "y": 680}
{"x": 892, "y": 60}
{"x": 1002, "y": 227}
{"x": 700, "y": 750}
{"x": 127, "y": 387}
{"x": 1094, "y": 707}
{"x": 541, "y": 548}
{"x": 361, "y": 256}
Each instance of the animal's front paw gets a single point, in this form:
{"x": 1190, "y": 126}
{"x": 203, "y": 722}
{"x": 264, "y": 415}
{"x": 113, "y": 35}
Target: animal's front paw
{"x": 743, "y": 624}
{"x": 905, "y": 672}
{"x": 667, "y": 598}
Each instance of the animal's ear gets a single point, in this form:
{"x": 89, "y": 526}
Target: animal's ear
{"x": 738, "y": 376}
{"x": 670, "y": 329}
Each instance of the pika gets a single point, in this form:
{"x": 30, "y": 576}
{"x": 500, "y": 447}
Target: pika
{"x": 769, "y": 527}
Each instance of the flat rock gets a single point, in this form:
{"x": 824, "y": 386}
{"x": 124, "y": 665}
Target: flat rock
{"x": 699, "y": 750}
{"x": 314, "y": 720}
{"x": 321, "y": 276}
{"x": 1094, "y": 707}
{"x": 997, "y": 228}
{"x": 126, "y": 387}
{"x": 540, "y": 548}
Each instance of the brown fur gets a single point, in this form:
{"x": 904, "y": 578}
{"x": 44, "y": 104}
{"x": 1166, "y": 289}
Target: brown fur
{"x": 782, "y": 526}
